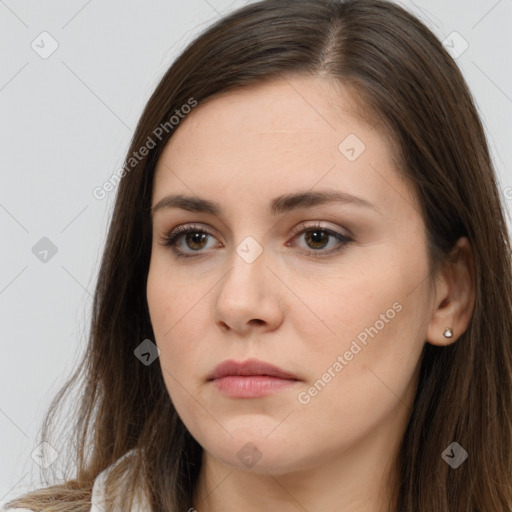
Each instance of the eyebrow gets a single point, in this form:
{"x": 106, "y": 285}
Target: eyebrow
{"x": 282, "y": 204}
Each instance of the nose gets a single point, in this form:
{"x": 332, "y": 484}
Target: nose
{"x": 249, "y": 297}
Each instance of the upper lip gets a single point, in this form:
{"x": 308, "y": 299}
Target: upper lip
{"x": 249, "y": 367}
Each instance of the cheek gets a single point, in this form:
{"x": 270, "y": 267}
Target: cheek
{"x": 170, "y": 294}
{"x": 157, "y": 296}
{"x": 364, "y": 376}
{"x": 334, "y": 311}
{"x": 368, "y": 332}
{"x": 178, "y": 309}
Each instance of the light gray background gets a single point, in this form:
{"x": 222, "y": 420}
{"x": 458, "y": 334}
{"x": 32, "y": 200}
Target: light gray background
{"x": 66, "y": 122}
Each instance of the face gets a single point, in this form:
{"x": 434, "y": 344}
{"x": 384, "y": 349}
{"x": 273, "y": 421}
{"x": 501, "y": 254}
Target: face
{"x": 335, "y": 293}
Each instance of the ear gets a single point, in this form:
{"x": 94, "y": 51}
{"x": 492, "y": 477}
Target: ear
{"x": 454, "y": 296}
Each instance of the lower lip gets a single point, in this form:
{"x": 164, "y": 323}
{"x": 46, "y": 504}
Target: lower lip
{"x": 253, "y": 386}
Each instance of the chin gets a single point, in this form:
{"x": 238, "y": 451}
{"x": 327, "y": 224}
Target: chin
{"x": 261, "y": 453}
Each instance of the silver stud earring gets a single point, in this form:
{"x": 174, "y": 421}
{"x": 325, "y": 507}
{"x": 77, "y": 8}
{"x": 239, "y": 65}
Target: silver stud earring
{"x": 448, "y": 333}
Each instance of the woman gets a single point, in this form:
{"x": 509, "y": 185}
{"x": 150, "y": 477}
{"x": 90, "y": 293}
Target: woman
{"x": 305, "y": 297}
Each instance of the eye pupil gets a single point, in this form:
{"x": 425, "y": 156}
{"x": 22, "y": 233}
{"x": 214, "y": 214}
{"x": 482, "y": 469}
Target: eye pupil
{"x": 196, "y": 238}
{"x": 317, "y": 237}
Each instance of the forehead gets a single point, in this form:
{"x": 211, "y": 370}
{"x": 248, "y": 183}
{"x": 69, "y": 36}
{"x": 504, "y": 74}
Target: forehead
{"x": 301, "y": 112}
{"x": 274, "y": 138}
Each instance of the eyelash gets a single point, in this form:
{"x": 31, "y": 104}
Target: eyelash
{"x": 170, "y": 239}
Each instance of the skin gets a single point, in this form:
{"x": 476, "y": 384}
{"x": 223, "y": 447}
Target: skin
{"x": 297, "y": 311}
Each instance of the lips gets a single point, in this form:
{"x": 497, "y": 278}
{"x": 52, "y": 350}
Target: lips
{"x": 247, "y": 368}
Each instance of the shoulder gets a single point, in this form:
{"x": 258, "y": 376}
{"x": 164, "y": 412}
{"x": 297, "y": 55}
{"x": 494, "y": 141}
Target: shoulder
{"x": 3, "y": 509}
{"x": 98, "y": 491}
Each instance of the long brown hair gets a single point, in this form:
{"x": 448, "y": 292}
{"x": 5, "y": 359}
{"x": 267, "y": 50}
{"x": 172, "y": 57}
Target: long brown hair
{"x": 399, "y": 71}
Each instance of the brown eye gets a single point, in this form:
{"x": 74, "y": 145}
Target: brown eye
{"x": 189, "y": 239}
{"x": 194, "y": 238}
{"x": 318, "y": 237}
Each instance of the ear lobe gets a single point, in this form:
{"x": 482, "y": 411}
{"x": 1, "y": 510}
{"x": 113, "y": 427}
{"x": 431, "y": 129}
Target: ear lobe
{"x": 454, "y": 296}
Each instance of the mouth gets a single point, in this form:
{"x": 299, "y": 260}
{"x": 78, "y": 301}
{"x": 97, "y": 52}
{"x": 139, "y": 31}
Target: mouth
{"x": 250, "y": 379}
{"x": 251, "y": 367}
